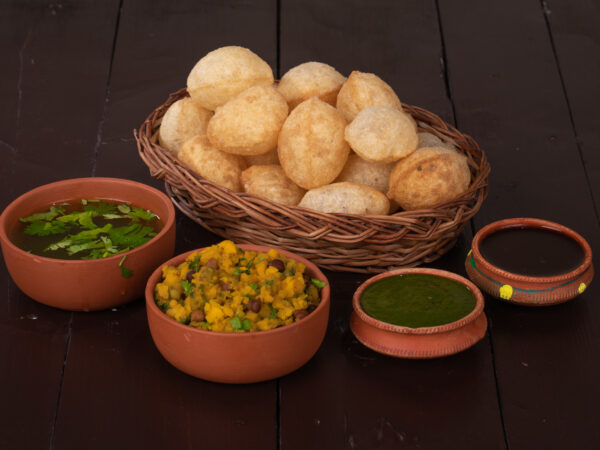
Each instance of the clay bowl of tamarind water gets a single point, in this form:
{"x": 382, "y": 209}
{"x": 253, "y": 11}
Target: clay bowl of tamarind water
{"x": 530, "y": 261}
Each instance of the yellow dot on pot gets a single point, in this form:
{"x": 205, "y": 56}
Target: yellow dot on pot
{"x": 581, "y": 288}
{"x": 506, "y": 291}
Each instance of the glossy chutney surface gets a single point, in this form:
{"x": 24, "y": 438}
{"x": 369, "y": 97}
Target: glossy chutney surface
{"x": 417, "y": 300}
{"x": 537, "y": 252}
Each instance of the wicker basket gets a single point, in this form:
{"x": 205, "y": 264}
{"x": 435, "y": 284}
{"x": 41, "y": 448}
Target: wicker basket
{"x": 344, "y": 242}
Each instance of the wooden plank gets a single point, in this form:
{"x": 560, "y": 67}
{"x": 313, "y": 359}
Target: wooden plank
{"x": 48, "y": 79}
{"x": 348, "y": 396}
{"x": 508, "y": 95}
{"x": 574, "y": 29}
{"x": 126, "y": 392}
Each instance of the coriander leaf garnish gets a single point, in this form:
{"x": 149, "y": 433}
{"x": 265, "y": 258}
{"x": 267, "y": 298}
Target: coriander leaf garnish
{"x": 124, "y": 208}
{"x": 48, "y": 215}
{"x": 77, "y": 233}
{"x": 318, "y": 283}
{"x": 125, "y": 272}
{"x": 139, "y": 213}
{"x": 188, "y": 287}
{"x": 236, "y": 323}
{"x": 41, "y": 228}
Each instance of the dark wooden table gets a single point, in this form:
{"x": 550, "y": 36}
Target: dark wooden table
{"x": 520, "y": 76}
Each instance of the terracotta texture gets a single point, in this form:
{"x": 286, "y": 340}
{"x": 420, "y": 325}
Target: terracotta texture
{"x": 523, "y": 289}
{"x": 91, "y": 284}
{"x": 238, "y": 357}
{"x": 419, "y": 343}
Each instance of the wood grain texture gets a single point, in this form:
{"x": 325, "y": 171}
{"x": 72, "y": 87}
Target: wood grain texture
{"x": 349, "y": 396}
{"x": 117, "y": 387}
{"x": 576, "y": 41}
{"x": 508, "y": 94}
{"x": 52, "y": 90}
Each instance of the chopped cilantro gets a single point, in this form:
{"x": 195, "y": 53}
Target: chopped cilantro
{"x": 249, "y": 264}
{"x": 188, "y": 287}
{"x": 236, "y": 323}
{"x": 77, "y": 234}
{"x": 125, "y": 272}
{"x": 49, "y": 215}
{"x": 141, "y": 214}
{"x": 41, "y": 228}
{"x": 195, "y": 264}
{"x": 273, "y": 312}
{"x": 255, "y": 287}
{"x": 202, "y": 293}
{"x": 270, "y": 282}
{"x": 318, "y": 283}
{"x": 124, "y": 208}
{"x": 246, "y": 325}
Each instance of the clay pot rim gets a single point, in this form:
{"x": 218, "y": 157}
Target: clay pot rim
{"x": 157, "y": 312}
{"x": 168, "y": 222}
{"x": 530, "y": 222}
{"x": 476, "y": 312}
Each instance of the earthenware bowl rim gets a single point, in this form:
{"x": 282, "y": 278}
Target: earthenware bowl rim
{"x": 155, "y": 276}
{"x": 477, "y": 310}
{"x": 531, "y": 222}
{"x": 168, "y": 223}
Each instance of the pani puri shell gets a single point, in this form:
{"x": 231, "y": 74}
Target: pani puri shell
{"x": 311, "y": 79}
{"x": 365, "y": 89}
{"x": 360, "y": 171}
{"x": 270, "y": 182}
{"x": 249, "y": 124}
{"x": 382, "y": 134}
{"x": 209, "y": 162}
{"x": 346, "y": 198}
{"x": 224, "y": 73}
{"x": 431, "y": 140}
{"x": 311, "y": 146}
{"x": 183, "y": 120}
{"x": 431, "y": 175}
{"x": 262, "y": 160}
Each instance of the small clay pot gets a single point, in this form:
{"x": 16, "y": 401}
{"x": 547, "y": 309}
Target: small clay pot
{"x": 238, "y": 357}
{"x": 524, "y": 289}
{"x": 419, "y": 343}
{"x": 87, "y": 285}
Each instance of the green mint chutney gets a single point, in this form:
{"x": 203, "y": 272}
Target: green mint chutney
{"x": 417, "y": 300}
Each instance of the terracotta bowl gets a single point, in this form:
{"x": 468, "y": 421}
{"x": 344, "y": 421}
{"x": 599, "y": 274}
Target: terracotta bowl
{"x": 523, "y": 289}
{"x": 238, "y": 357}
{"x": 419, "y": 343}
{"x": 87, "y": 285}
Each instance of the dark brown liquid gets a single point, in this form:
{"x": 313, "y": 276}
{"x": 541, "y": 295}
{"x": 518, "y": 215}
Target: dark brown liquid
{"x": 535, "y": 252}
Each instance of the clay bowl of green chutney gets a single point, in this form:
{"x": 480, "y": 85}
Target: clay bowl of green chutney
{"x": 87, "y": 244}
{"x": 528, "y": 261}
{"x": 418, "y": 313}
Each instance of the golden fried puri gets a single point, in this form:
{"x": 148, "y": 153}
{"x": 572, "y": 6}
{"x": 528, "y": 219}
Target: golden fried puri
{"x": 360, "y": 171}
{"x": 431, "y": 140}
{"x": 223, "y": 73}
{"x": 365, "y": 89}
{"x": 311, "y": 145}
{"x": 429, "y": 176}
{"x": 311, "y": 79}
{"x": 347, "y": 198}
{"x": 209, "y": 162}
{"x": 382, "y": 134}
{"x": 270, "y": 182}
{"x": 263, "y": 159}
{"x": 249, "y": 123}
{"x": 183, "y": 120}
